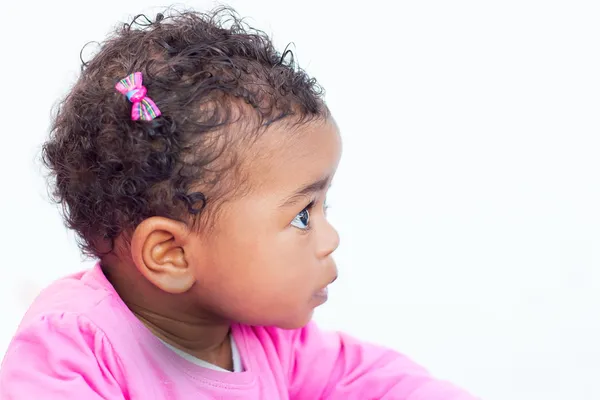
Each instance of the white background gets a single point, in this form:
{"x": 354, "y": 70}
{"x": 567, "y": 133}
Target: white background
{"x": 467, "y": 199}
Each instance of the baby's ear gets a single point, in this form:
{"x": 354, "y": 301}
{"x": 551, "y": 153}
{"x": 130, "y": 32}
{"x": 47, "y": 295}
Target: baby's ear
{"x": 157, "y": 250}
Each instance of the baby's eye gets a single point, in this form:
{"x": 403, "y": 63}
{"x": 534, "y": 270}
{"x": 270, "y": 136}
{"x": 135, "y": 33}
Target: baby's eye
{"x": 302, "y": 220}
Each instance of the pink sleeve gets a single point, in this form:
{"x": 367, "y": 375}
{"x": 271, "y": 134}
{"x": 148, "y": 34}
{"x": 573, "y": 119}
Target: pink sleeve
{"x": 60, "y": 357}
{"x": 328, "y": 365}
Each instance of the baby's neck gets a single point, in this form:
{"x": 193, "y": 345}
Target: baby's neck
{"x": 175, "y": 319}
{"x": 201, "y": 339}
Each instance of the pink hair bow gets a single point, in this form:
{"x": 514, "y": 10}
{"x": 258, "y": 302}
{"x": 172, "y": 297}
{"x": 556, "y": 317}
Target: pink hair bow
{"x": 143, "y": 107}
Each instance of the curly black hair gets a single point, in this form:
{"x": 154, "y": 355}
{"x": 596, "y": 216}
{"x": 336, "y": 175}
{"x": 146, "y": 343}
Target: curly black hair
{"x": 214, "y": 78}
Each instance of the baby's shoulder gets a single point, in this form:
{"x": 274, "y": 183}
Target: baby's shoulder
{"x": 77, "y": 298}
{"x": 68, "y": 335}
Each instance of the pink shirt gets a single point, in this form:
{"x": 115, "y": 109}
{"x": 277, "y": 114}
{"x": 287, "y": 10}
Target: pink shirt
{"x": 79, "y": 341}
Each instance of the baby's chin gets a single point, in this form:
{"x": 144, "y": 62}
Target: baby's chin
{"x": 298, "y": 322}
{"x": 296, "y": 318}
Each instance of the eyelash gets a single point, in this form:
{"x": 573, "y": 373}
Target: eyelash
{"x": 309, "y": 208}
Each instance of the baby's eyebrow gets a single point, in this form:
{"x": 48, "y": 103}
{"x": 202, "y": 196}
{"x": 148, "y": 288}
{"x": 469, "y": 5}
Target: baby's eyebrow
{"x": 306, "y": 190}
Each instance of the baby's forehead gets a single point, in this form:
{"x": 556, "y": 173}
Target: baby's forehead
{"x": 284, "y": 158}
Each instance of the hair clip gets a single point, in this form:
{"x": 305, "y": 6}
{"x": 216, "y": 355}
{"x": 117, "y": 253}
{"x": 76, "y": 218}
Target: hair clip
{"x": 143, "y": 107}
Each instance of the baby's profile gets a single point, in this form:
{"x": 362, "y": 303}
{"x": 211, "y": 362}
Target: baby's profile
{"x": 192, "y": 159}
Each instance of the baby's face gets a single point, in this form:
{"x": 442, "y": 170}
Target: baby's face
{"x": 270, "y": 252}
